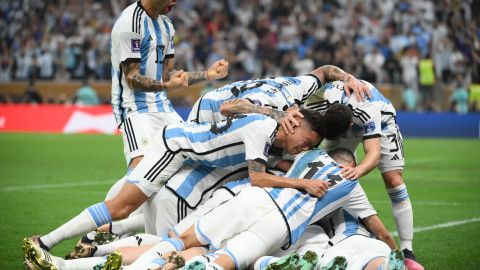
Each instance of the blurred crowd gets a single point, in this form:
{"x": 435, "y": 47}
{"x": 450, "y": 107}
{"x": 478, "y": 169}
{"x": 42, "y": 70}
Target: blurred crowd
{"x": 425, "y": 47}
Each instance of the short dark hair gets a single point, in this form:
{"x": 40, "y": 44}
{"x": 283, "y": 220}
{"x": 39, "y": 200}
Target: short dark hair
{"x": 336, "y": 121}
{"x": 342, "y": 155}
{"x": 314, "y": 118}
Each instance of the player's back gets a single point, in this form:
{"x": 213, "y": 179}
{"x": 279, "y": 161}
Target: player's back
{"x": 225, "y": 144}
{"x": 299, "y": 208}
{"x": 279, "y": 93}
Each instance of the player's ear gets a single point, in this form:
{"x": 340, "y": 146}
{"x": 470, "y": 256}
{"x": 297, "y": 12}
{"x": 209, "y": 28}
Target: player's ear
{"x": 352, "y": 163}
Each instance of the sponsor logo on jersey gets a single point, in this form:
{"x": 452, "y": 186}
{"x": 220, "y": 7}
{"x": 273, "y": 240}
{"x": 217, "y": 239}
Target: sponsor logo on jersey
{"x": 369, "y": 127}
{"x": 135, "y": 45}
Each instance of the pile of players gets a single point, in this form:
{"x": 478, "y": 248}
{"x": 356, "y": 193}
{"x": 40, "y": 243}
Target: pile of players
{"x": 242, "y": 183}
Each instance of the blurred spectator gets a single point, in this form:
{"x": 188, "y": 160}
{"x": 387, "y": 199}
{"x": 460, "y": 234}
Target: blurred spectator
{"x": 410, "y": 99}
{"x": 427, "y": 82}
{"x": 31, "y": 94}
{"x": 459, "y": 98}
{"x": 86, "y": 95}
{"x": 474, "y": 97}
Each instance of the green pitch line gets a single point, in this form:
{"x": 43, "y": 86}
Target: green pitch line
{"x": 46, "y": 179}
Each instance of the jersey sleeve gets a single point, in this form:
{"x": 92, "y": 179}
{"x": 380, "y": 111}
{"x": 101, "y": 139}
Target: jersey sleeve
{"x": 308, "y": 85}
{"x": 129, "y": 47}
{"x": 169, "y": 48}
{"x": 358, "y": 205}
{"x": 258, "y": 139}
{"x": 371, "y": 118}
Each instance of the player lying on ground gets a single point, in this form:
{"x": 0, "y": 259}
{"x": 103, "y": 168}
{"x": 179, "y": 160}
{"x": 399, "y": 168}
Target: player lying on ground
{"x": 374, "y": 124}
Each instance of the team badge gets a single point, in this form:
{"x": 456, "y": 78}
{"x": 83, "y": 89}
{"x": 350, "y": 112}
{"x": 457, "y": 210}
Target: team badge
{"x": 266, "y": 149}
{"x": 369, "y": 127}
{"x": 135, "y": 45}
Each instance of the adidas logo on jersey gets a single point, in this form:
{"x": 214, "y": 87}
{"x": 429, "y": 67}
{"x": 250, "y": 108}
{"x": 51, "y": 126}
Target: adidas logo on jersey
{"x": 395, "y": 157}
{"x": 150, "y": 38}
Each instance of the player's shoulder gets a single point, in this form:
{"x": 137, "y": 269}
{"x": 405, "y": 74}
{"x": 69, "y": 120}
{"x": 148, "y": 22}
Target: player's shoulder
{"x": 130, "y": 20}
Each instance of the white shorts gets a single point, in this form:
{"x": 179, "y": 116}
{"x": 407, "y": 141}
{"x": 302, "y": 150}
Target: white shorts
{"x": 157, "y": 166}
{"x": 138, "y": 129}
{"x": 391, "y": 148}
{"x": 219, "y": 197}
{"x": 359, "y": 250}
{"x": 163, "y": 211}
{"x": 250, "y": 226}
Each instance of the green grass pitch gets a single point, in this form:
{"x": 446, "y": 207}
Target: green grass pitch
{"x": 47, "y": 179}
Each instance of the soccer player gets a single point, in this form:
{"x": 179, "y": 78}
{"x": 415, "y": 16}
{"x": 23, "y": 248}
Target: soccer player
{"x": 230, "y": 144}
{"x": 350, "y": 231}
{"x": 374, "y": 124}
{"x": 280, "y": 93}
{"x": 142, "y": 55}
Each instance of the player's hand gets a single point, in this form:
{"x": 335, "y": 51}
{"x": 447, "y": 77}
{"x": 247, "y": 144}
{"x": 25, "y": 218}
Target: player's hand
{"x": 177, "y": 79}
{"x": 218, "y": 70}
{"x": 350, "y": 172}
{"x": 316, "y": 188}
{"x": 289, "y": 122}
{"x": 360, "y": 90}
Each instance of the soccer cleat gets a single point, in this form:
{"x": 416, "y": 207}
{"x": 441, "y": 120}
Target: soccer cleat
{"x": 284, "y": 263}
{"x": 174, "y": 261}
{"x": 35, "y": 257}
{"x": 337, "y": 263}
{"x": 81, "y": 250}
{"x": 195, "y": 265}
{"x": 396, "y": 260}
{"x": 102, "y": 238}
{"x": 307, "y": 262}
{"x": 410, "y": 260}
{"x": 36, "y": 239}
{"x": 114, "y": 261}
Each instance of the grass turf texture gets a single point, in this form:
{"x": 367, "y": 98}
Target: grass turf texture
{"x": 47, "y": 179}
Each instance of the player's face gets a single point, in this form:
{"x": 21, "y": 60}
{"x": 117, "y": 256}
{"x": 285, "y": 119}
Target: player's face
{"x": 165, "y": 6}
{"x": 303, "y": 139}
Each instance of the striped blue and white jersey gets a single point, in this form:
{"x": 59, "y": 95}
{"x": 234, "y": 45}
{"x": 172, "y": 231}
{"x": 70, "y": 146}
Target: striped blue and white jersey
{"x": 301, "y": 209}
{"x": 279, "y": 93}
{"x": 225, "y": 144}
{"x": 234, "y": 187}
{"x": 201, "y": 181}
{"x": 136, "y": 37}
{"x": 370, "y": 117}
{"x": 342, "y": 224}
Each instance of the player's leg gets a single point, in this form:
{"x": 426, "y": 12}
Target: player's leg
{"x": 391, "y": 166}
{"x": 138, "y": 188}
{"x": 131, "y": 241}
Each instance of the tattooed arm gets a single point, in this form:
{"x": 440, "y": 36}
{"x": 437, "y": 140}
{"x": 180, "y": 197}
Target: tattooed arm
{"x": 218, "y": 70}
{"x": 259, "y": 178}
{"x": 239, "y": 105}
{"x": 329, "y": 73}
{"x": 138, "y": 82}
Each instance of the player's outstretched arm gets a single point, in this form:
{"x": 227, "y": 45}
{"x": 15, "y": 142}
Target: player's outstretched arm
{"x": 138, "y": 82}
{"x": 218, "y": 70}
{"x": 376, "y": 226}
{"x": 329, "y": 73}
{"x": 259, "y": 178}
{"x": 239, "y": 105}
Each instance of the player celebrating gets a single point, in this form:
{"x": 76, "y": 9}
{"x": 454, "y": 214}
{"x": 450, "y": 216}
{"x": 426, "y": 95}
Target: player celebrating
{"x": 375, "y": 125}
{"x": 230, "y": 144}
{"x": 280, "y": 93}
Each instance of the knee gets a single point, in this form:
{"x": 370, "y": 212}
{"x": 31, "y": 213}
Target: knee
{"x": 393, "y": 179}
{"x": 119, "y": 209}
